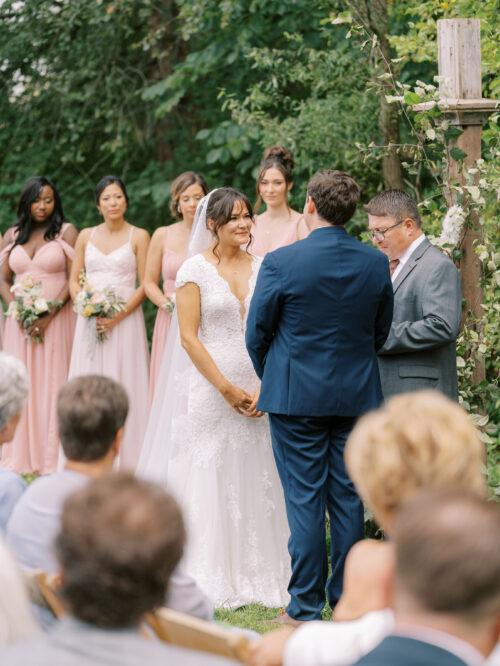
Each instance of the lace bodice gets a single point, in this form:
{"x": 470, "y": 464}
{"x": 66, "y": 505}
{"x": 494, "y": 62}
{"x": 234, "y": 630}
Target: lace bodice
{"x": 223, "y": 316}
{"x": 117, "y": 269}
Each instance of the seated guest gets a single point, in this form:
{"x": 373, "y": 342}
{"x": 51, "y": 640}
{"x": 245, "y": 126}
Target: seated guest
{"x": 91, "y": 412}
{"x": 413, "y": 442}
{"x": 13, "y": 392}
{"x": 16, "y": 620}
{"x": 447, "y": 583}
{"x": 120, "y": 541}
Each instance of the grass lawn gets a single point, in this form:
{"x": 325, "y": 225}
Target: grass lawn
{"x": 256, "y": 617}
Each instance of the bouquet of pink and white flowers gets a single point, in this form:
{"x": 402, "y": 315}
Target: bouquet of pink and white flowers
{"x": 93, "y": 303}
{"x": 29, "y": 304}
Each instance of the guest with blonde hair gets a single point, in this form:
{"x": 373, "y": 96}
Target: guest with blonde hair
{"x": 16, "y": 621}
{"x": 418, "y": 441}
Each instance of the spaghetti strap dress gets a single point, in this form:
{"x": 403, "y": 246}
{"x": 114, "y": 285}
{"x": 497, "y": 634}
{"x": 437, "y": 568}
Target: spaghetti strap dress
{"x": 124, "y": 355}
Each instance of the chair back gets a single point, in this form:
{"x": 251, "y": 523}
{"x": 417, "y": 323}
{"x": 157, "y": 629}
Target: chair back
{"x": 189, "y": 632}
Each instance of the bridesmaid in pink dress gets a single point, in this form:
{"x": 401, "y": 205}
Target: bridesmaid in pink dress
{"x": 39, "y": 245}
{"x": 278, "y": 225}
{"x": 166, "y": 253}
{"x": 113, "y": 255}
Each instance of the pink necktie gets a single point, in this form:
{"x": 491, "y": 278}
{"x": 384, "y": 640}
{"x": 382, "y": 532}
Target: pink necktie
{"x": 393, "y": 264}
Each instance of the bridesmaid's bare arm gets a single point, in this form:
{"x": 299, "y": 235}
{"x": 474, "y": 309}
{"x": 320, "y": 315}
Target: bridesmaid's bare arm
{"x": 188, "y": 307}
{"x": 78, "y": 264}
{"x": 152, "y": 273}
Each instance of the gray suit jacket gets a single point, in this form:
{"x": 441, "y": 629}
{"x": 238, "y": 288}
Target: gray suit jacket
{"x": 73, "y": 643}
{"x": 420, "y": 351}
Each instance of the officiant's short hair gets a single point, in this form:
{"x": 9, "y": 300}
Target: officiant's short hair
{"x": 396, "y": 204}
{"x": 90, "y": 411}
{"x": 335, "y": 195}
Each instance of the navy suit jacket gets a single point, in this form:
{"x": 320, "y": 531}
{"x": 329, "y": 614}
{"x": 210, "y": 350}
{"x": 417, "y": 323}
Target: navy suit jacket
{"x": 402, "y": 651}
{"x": 321, "y": 310}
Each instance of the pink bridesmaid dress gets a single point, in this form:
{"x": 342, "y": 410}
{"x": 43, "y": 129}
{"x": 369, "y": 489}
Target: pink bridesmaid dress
{"x": 36, "y": 443}
{"x": 259, "y": 244}
{"x": 171, "y": 262}
{"x": 124, "y": 355}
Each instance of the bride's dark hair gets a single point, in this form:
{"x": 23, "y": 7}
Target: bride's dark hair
{"x": 220, "y": 208}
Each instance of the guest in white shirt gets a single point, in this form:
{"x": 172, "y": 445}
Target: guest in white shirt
{"x": 13, "y": 393}
{"x": 91, "y": 413}
{"x": 415, "y": 441}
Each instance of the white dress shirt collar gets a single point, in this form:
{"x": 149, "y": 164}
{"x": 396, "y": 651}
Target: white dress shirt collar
{"x": 406, "y": 255}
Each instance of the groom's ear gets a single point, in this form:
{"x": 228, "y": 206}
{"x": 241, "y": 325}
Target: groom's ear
{"x": 310, "y": 206}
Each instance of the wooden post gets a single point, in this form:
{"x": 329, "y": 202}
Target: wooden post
{"x": 459, "y": 65}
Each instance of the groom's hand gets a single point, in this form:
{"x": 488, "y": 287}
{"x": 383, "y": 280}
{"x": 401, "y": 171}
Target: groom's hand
{"x": 252, "y": 410}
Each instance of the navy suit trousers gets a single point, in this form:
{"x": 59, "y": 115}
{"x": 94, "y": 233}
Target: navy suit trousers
{"x": 309, "y": 454}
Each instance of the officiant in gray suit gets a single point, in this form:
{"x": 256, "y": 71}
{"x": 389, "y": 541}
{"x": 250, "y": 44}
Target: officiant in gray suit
{"x": 420, "y": 351}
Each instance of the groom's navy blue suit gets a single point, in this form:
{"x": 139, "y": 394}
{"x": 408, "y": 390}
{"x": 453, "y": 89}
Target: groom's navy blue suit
{"x": 321, "y": 309}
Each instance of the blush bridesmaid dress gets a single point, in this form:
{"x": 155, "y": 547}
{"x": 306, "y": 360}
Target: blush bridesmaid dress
{"x": 171, "y": 262}
{"x": 259, "y": 243}
{"x": 36, "y": 443}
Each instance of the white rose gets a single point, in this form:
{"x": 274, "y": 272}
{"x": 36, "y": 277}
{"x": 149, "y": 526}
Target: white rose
{"x": 41, "y": 305}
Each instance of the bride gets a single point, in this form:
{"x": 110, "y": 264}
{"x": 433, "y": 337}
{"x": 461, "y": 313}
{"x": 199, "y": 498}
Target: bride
{"x": 206, "y": 440}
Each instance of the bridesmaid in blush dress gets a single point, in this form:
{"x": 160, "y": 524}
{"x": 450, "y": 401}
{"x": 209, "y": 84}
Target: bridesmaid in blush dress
{"x": 40, "y": 245}
{"x": 113, "y": 255}
{"x": 166, "y": 253}
{"x": 278, "y": 225}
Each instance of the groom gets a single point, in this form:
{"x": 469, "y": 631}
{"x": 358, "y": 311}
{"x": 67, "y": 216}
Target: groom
{"x": 321, "y": 310}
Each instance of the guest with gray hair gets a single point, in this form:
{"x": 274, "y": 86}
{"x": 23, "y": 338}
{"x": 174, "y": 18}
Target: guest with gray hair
{"x": 13, "y": 392}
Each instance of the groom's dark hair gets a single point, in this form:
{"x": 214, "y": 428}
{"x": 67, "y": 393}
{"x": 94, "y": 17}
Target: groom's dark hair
{"x": 335, "y": 195}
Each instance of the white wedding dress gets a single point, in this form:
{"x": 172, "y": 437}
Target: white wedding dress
{"x": 218, "y": 463}
{"x": 224, "y": 475}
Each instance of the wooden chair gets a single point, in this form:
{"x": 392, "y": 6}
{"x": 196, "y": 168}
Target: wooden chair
{"x": 42, "y": 589}
{"x": 190, "y": 632}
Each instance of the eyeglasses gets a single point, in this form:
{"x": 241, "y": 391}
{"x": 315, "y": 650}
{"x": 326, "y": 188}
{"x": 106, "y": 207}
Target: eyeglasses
{"x": 379, "y": 234}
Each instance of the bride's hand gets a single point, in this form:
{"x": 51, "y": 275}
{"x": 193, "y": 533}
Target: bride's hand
{"x": 239, "y": 399}
{"x": 252, "y": 410}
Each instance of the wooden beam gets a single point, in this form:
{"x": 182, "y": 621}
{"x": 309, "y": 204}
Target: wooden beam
{"x": 459, "y": 61}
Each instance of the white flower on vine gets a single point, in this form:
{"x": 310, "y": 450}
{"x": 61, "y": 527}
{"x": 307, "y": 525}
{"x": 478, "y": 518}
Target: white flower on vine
{"x": 453, "y": 224}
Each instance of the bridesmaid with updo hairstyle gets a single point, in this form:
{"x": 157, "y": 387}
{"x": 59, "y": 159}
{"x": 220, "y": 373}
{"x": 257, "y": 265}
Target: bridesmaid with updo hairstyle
{"x": 278, "y": 225}
{"x": 166, "y": 253}
{"x": 39, "y": 248}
